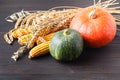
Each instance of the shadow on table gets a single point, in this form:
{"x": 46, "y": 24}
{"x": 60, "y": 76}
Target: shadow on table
{"x": 89, "y": 56}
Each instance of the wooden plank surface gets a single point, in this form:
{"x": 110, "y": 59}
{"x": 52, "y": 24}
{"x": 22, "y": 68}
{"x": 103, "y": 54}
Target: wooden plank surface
{"x": 93, "y": 64}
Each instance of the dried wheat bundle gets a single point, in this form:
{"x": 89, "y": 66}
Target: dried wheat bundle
{"x": 41, "y": 23}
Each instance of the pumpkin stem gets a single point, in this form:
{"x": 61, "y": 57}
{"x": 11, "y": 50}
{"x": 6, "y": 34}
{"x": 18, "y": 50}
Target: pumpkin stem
{"x": 66, "y": 32}
{"x": 92, "y": 14}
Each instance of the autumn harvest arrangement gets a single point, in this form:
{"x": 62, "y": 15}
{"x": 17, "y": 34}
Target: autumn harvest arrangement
{"x": 64, "y": 33}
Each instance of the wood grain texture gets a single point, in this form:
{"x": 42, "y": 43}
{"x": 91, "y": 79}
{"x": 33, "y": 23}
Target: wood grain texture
{"x": 93, "y": 64}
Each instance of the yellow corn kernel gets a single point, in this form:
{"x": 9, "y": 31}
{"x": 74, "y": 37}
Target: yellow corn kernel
{"x": 23, "y": 40}
{"x": 19, "y": 32}
{"x": 39, "y": 50}
{"x": 46, "y": 38}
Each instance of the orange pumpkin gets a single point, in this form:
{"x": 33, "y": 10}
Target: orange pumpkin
{"x": 96, "y": 25}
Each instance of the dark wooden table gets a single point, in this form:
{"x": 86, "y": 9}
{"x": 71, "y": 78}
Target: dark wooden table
{"x": 93, "y": 64}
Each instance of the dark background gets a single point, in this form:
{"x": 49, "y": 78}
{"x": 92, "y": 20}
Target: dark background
{"x": 93, "y": 64}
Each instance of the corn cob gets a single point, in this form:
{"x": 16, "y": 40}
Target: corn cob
{"x": 23, "y": 40}
{"x": 39, "y": 50}
{"x": 19, "y": 32}
{"x": 46, "y": 38}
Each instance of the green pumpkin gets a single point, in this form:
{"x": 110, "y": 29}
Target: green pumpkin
{"x": 66, "y": 45}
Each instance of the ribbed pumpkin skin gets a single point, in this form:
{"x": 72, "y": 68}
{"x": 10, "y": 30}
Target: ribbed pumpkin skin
{"x": 66, "y": 47}
{"x": 98, "y": 31}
